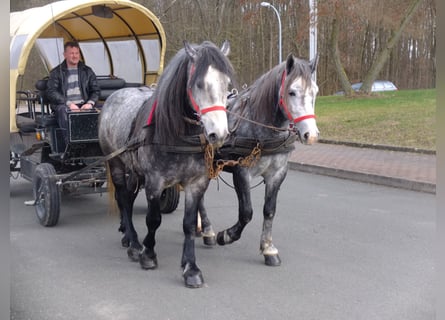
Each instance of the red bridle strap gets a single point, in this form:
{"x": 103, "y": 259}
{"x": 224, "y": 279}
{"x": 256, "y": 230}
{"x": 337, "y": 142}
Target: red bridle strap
{"x": 302, "y": 118}
{"x": 192, "y": 101}
{"x": 282, "y": 103}
{"x": 152, "y": 113}
{"x": 214, "y": 108}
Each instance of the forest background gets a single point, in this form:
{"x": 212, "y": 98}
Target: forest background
{"x": 353, "y": 35}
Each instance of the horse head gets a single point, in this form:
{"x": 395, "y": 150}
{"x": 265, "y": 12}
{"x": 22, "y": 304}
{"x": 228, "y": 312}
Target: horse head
{"x": 297, "y": 97}
{"x": 210, "y": 74}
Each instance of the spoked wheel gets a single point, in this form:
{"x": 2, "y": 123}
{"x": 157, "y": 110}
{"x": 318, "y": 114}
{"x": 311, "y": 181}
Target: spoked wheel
{"x": 46, "y": 194}
{"x": 170, "y": 199}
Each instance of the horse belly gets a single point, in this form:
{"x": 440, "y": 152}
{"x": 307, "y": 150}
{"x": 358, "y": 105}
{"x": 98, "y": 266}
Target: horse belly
{"x": 170, "y": 168}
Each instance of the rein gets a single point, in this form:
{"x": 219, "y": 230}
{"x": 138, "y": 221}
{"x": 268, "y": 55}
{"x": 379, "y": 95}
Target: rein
{"x": 261, "y": 124}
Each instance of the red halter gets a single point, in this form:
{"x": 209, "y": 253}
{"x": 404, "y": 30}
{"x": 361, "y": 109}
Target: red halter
{"x": 284, "y": 107}
{"x": 200, "y": 112}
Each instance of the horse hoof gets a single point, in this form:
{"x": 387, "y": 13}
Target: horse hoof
{"x": 193, "y": 279}
{"x": 147, "y": 262}
{"x": 209, "y": 241}
{"x": 272, "y": 260}
{"x": 125, "y": 242}
{"x": 133, "y": 254}
{"x": 220, "y": 238}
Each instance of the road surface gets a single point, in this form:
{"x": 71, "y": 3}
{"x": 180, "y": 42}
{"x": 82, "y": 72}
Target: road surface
{"x": 349, "y": 250}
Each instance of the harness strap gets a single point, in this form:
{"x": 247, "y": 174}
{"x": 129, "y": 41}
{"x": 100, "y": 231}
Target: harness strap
{"x": 244, "y": 145}
{"x": 135, "y": 143}
{"x": 188, "y": 144}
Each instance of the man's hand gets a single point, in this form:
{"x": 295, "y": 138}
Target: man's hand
{"x": 74, "y": 107}
{"x": 87, "y": 106}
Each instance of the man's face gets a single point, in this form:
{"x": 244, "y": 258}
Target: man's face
{"x": 72, "y": 56}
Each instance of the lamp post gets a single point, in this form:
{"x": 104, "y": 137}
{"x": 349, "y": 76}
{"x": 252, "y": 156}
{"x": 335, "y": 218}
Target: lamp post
{"x": 267, "y": 4}
{"x": 313, "y": 33}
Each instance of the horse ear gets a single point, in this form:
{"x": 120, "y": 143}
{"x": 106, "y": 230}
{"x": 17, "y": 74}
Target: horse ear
{"x": 225, "y": 48}
{"x": 313, "y": 64}
{"x": 289, "y": 63}
{"x": 190, "y": 51}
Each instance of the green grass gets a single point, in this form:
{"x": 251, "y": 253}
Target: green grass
{"x": 404, "y": 118}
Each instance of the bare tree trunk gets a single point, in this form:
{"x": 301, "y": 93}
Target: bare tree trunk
{"x": 343, "y": 78}
{"x": 383, "y": 55}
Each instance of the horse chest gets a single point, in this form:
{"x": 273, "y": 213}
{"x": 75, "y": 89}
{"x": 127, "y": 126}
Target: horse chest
{"x": 269, "y": 165}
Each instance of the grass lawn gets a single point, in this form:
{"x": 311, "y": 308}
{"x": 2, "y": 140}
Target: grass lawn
{"x": 405, "y": 118}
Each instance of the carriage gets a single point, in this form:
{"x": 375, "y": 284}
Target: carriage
{"x": 181, "y": 133}
{"x": 124, "y": 43}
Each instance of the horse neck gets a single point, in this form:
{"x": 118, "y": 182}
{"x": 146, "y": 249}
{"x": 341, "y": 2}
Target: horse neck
{"x": 260, "y": 102}
{"x": 243, "y": 121}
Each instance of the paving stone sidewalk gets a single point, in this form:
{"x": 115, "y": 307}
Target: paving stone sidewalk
{"x": 402, "y": 169}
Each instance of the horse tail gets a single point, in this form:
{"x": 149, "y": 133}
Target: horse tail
{"x": 112, "y": 203}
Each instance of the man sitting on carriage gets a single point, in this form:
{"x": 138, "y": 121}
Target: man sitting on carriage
{"x": 72, "y": 86}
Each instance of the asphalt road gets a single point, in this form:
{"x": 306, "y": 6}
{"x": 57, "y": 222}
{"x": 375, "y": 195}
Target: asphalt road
{"x": 349, "y": 250}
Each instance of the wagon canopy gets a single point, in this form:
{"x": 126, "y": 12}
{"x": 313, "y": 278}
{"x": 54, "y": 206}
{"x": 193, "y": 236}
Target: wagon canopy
{"x": 116, "y": 37}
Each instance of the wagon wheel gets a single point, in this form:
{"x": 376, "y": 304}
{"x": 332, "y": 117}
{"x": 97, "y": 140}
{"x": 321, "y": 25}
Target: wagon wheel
{"x": 46, "y": 194}
{"x": 13, "y": 160}
{"x": 170, "y": 199}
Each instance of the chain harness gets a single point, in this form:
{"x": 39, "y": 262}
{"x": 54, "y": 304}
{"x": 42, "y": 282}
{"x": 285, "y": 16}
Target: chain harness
{"x": 215, "y": 167}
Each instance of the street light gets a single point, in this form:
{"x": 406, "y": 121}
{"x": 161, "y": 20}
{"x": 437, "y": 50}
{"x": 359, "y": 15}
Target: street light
{"x": 313, "y": 33}
{"x": 267, "y": 4}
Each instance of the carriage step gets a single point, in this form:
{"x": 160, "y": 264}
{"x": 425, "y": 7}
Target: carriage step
{"x": 30, "y": 203}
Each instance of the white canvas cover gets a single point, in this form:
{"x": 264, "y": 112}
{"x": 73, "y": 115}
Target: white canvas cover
{"x": 117, "y": 37}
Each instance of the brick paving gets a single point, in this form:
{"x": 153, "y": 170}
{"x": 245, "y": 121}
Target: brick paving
{"x": 410, "y": 170}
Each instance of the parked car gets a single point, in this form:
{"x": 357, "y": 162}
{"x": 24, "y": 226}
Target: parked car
{"x": 377, "y": 86}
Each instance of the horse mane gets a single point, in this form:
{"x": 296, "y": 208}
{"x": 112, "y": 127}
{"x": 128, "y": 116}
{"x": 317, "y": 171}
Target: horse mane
{"x": 264, "y": 92}
{"x": 171, "y": 92}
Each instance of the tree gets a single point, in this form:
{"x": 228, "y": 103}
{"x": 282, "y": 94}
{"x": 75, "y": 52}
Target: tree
{"x": 376, "y": 48}
{"x": 358, "y": 40}
{"x": 383, "y": 55}
{"x": 333, "y": 45}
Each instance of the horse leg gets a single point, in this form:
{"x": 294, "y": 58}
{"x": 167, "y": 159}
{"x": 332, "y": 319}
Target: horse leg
{"x": 245, "y": 211}
{"x": 206, "y": 230}
{"x": 191, "y": 273}
{"x": 148, "y": 258}
{"x": 125, "y": 198}
{"x": 130, "y": 237}
{"x": 268, "y": 250}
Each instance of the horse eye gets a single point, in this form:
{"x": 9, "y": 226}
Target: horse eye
{"x": 292, "y": 94}
{"x": 200, "y": 84}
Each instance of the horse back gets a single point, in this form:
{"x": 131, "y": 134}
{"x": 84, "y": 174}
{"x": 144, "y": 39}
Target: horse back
{"x": 119, "y": 117}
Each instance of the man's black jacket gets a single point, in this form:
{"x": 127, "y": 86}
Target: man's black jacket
{"x": 58, "y": 79}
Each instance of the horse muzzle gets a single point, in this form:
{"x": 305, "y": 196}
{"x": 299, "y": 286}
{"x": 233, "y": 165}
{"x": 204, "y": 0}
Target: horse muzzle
{"x": 215, "y": 141}
{"x": 216, "y": 127}
{"x": 308, "y": 138}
